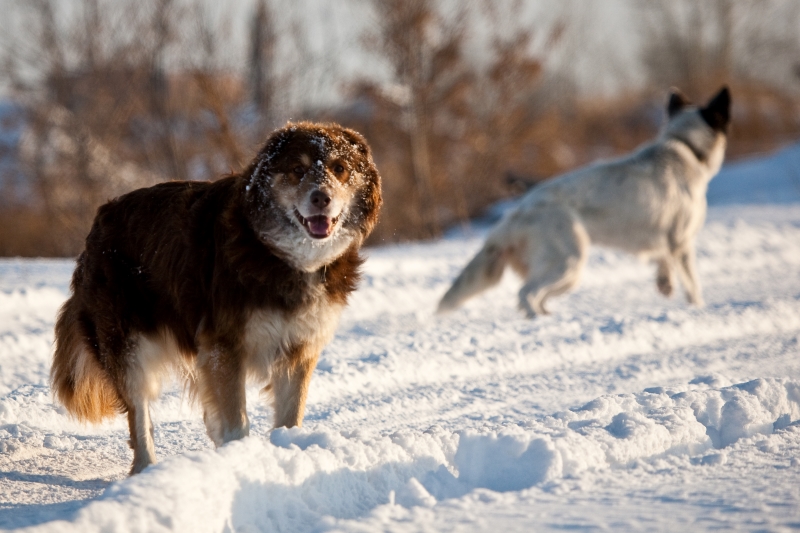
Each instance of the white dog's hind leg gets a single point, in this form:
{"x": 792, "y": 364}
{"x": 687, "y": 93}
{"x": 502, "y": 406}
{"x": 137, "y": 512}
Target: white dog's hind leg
{"x": 555, "y": 267}
{"x": 532, "y": 297}
{"x": 536, "y": 291}
{"x": 687, "y": 269}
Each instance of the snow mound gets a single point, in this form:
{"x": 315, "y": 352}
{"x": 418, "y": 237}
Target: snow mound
{"x": 617, "y": 430}
{"x": 298, "y": 480}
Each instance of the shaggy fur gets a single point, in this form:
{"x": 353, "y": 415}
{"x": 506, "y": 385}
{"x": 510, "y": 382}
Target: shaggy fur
{"x": 242, "y": 277}
{"x": 651, "y": 203}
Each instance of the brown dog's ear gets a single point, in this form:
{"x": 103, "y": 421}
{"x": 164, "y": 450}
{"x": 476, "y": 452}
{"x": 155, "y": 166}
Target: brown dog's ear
{"x": 717, "y": 113}
{"x": 357, "y": 140}
{"x": 677, "y": 101}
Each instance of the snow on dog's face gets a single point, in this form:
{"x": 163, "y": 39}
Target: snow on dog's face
{"x": 315, "y": 191}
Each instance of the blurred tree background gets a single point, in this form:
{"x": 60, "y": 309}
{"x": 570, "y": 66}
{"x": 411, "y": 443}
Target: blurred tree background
{"x": 464, "y": 102}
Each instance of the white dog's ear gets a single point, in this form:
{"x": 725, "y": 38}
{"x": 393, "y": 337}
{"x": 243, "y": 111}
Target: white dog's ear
{"x": 677, "y": 101}
{"x": 717, "y": 113}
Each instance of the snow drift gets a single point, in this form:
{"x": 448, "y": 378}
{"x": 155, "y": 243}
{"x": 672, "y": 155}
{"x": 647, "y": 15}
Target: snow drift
{"x": 294, "y": 478}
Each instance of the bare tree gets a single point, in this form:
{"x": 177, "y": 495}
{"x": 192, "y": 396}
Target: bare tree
{"x": 701, "y": 44}
{"x": 463, "y": 117}
{"x": 424, "y": 48}
{"x": 263, "y": 43}
{"x": 118, "y": 95}
{"x": 751, "y": 45}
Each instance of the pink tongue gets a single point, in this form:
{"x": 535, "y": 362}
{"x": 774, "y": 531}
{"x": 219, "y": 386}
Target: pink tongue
{"x": 319, "y": 225}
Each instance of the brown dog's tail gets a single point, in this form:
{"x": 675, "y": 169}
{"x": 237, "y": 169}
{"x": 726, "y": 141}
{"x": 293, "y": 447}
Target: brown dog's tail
{"x": 484, "y": 271}
{"x": 76, "y": 377}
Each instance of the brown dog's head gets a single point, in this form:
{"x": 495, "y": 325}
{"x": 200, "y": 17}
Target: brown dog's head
{"x": 313, "y": 191}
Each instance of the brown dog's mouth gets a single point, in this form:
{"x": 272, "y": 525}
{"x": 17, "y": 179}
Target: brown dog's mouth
{"x": 317, "y": 226}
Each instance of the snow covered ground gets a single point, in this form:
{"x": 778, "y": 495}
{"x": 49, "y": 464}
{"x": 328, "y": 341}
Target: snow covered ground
{"x": 623, "y": 411}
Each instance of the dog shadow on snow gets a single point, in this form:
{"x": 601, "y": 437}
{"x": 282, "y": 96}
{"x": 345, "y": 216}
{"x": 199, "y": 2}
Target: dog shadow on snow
{"x": 33, "y": 514}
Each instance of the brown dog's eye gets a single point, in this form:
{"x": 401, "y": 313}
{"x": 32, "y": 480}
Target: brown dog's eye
{"x": 298, "y": 170}
{"x": 340, "y": 171}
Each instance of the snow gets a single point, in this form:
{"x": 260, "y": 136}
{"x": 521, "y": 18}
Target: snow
{"x": 772, "y": 180}
{"x": 622, "y": 411}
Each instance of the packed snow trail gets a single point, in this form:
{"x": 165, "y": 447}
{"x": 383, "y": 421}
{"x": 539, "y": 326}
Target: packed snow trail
{"x": 621, "y": 411}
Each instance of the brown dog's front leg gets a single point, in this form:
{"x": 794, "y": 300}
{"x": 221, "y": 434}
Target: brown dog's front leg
{"x": 290, "y": 382}
{"x": 220, "y": 385}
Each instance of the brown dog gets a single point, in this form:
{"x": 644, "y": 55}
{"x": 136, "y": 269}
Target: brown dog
{"x": 242, "y": 277}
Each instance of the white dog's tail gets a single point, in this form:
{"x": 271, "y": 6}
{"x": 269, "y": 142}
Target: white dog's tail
{"x": 484, "y": 271}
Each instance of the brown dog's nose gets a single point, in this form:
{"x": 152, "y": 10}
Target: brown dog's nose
{"x": 320, "y": 199}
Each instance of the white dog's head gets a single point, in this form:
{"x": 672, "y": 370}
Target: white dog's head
{"x": 703, "y": 129}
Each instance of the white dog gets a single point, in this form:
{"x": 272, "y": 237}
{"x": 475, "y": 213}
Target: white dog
{"x": 651, "y": 203}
